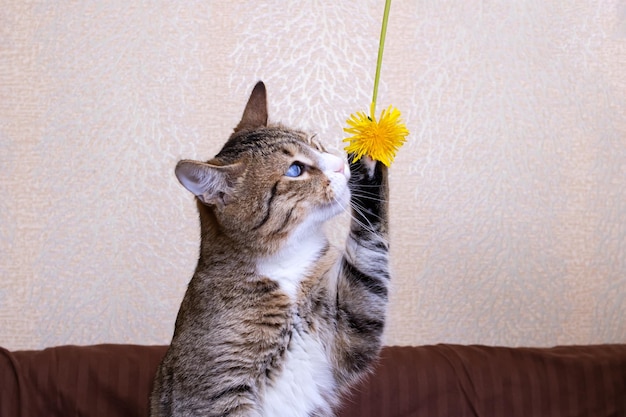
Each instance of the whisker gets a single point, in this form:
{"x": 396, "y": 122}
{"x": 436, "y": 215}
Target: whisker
{"x": 354, "y": 181}
{"x": 369, "y": 196}
{"x": 368, "y": 227}
{"x": 360, "y": 209}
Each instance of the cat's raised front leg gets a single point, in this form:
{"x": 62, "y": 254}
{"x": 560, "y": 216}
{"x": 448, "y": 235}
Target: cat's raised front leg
{"x": 362, "y": 289}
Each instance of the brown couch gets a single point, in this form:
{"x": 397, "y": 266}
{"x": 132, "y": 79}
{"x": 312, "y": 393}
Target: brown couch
{"x": 429, "y": 381}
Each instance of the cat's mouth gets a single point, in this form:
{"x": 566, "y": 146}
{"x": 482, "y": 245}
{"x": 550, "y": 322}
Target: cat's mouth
{"x": 339, "y": 194}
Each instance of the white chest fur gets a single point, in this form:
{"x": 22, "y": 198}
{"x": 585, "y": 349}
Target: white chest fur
{"x": 306, "y": 378}
{"x": 304, "y": 383}
{"x": 291, "y": 264}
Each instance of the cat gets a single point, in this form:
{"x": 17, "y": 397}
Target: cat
{"x": 275, "y": 321}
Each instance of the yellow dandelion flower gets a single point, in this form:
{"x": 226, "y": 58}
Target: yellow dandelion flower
{"x": 379, "y": 139}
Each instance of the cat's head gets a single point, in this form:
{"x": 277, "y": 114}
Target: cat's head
{"x": 268, "y": 182}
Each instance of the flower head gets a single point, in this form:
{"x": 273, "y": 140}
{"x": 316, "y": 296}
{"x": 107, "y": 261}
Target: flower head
{"x": 379, "y": 139}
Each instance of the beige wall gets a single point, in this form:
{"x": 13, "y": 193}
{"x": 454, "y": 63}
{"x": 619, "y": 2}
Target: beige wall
{"x": 509, "y": 201}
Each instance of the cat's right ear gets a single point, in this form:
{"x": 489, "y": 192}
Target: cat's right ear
{"x": 255, "y": 114}
{"x": 212, "y": 184}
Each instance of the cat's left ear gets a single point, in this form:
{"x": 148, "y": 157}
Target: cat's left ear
{"x": 212, "y": 184}
{"x": 255, "y": 114}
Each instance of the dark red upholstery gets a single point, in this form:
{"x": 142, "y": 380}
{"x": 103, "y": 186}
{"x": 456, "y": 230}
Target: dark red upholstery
{"x": 481, "y": 381}
{"x": 429, "y": 381}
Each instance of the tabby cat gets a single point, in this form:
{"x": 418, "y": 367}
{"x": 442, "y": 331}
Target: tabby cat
{"x": 275, "y": 321}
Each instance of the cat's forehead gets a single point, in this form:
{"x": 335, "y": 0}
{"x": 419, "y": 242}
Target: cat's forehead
{"x": 267, "y": 141}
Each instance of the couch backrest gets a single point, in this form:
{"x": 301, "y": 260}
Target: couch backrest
{"x": 86, "y": 381}
{"x": 482, "y": 381}
{"x": 429, "y": 381}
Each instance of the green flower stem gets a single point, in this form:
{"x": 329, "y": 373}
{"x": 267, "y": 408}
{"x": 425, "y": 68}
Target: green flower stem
{"x": 381, "y": 47}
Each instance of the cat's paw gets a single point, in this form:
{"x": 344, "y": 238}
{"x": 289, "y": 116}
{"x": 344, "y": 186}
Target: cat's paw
{"x": 364, "y": 167}
{"x": 370, "y": 165}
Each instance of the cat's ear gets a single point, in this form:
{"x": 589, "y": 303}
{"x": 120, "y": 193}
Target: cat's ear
{"x": 212, "y": 184}
{"x": 255, "y": 114}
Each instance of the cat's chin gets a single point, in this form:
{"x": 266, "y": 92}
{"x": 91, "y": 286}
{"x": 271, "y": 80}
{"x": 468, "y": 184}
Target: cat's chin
{"x": 340, "y": 204}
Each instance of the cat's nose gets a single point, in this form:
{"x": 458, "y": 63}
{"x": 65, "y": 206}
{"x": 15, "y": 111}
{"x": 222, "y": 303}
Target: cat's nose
{"x": 340, "y": 167}
{"x": 344, "y": 169}
{"x": 335, "y": 164}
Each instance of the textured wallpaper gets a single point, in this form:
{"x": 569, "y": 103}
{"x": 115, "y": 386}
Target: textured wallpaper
{"x": 508, "y": 202}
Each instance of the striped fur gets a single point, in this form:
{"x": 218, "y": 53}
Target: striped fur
{"x": 275, "y": 321}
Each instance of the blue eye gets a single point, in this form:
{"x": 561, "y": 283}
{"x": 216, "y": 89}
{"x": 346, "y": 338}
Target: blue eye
{"x": 295, "y": 170}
